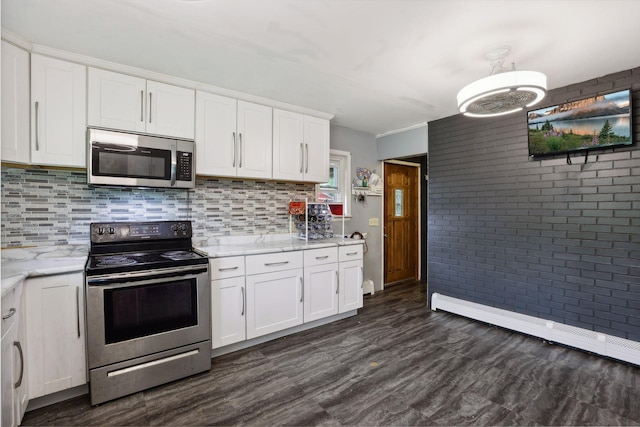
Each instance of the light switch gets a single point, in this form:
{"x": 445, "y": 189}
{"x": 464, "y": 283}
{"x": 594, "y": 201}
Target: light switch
{"x": 374, "y": 222}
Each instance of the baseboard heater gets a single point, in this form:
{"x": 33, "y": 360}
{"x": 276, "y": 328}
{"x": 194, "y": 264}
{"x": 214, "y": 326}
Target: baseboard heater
{"x": 584, "y": 339}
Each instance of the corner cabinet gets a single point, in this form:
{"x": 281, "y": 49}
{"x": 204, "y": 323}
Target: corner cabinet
{"x": 228, "y": 302}
{"x": 233, "y": 138}
{"x": 56, "y": 359}
{"x": 15, "y": 104}
{"x": 122, "y": 102}
{"x": 274, "y": 292}
{"x": 58, "y": 112}
{"x": 300, "y": 147}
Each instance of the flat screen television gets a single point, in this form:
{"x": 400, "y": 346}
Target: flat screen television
{"x": 598, "y": 122}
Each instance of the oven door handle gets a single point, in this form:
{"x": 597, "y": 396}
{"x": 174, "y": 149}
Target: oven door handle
{"x": 118, "y": 279}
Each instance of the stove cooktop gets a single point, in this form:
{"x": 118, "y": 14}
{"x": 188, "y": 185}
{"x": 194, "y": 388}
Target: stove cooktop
{"x": 148, "y": 260}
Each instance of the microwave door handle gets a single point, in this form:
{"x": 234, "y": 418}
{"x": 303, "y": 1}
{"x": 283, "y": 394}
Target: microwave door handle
{"x": 174, "y": 162}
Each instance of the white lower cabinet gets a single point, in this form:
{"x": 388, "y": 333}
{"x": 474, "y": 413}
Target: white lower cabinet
{"x": 256, "y": 295}
{"x": 56, "y": 359}
{"x": 274, "y": 302}
{"x": 13, "y": 382}
{"x": 228, "y": 324}
{"x": 350, "y": 277}
{"x": 274, "y": 292}
{"x": 321, "y": 286}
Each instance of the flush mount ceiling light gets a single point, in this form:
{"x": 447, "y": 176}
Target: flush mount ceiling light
{"x": 505, "y": 91}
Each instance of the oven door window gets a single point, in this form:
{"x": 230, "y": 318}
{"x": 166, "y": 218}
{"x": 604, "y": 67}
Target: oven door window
{"x": 138, "y": 311}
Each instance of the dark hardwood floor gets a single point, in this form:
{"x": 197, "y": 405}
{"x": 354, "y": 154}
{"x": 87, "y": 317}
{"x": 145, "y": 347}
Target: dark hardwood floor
{"x": 395, "y": 363}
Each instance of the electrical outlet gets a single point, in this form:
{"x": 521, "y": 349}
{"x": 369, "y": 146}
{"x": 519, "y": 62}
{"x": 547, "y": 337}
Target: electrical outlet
{"x": 374, "y": 222}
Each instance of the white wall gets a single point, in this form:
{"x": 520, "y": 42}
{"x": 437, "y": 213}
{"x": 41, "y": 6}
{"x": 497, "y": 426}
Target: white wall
{"x": 364, "y": 153}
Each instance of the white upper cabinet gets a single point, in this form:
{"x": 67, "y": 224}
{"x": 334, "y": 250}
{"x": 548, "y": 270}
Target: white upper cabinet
{"x": 15, "y": 104}
{"x": 58, "y": 112}
{"x": 123, "y": 102}
{"x": 300, "y": 147}
{"x": 233, "y": 138}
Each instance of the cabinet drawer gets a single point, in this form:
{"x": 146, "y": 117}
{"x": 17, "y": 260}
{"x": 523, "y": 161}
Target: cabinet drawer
{"x": 320, "y": 256}
{"x": 350, "y": 252}
{"x": 257, "y": 264}
{"x": 221, "y": 268}
{"x": 9, "y": 310}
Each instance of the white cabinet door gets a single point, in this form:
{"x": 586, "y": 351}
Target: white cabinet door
{"x": 55, "y": 333}
{"x": 228, "y": 311}
{"x": 300, "y": 147}
{"x": 274, "y": 302}
{"x": 350, "y": 278}
{"x": 21, "y": 388}
{"x": 15, "y": 104}
{"x": 254, "y": 128}
{"x": 7, "y": 381}
{"x": 58, "y": 112}
{"x": 10, "y": 313}
{"x": 170, "y": 110}
{"x": 116, "y": 101}
{"x": 216, "y": 137}
{"x": 288, "y": 145}
{"x": 321, "y": 291}
{"x": 316, "y": 140}
{"x": 119, "y": 101}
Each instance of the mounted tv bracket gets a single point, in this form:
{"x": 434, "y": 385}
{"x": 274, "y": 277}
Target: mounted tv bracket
{"x": 586, "y": 157}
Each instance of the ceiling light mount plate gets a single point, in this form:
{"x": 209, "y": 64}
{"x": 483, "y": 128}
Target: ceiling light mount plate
{"x": 505, "y": 91}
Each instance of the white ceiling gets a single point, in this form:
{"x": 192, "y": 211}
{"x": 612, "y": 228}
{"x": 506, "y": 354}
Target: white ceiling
{"x": 378, "y": 65}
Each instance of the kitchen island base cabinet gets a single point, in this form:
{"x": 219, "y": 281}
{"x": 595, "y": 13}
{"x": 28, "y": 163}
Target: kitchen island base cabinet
{"x": 274, "y": 302}
{"x": 56, "y": 359}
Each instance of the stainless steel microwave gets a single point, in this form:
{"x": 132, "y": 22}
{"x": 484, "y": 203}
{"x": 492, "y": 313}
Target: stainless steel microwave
{"x": 126, "y": 159}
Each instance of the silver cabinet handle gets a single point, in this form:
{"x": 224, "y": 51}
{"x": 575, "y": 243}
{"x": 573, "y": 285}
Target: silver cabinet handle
{"x": 301, "y": 157}
{"x": 37, "y": 128}
{"x": 301, "y": 289}
{"x": 241, "y": 154}
{"x": 19, "y": 347}
{"x": 306, "y": 170}
{"x": 337, "y": 282}
{"x": 351, "y": 253}
{"x": 11, "y": 312}
{"x": 361, "y": 278}
{"x": 228, "y": 268}
{"x": 322, "y": 257}
{"x": 78, "y": 309}
{"x": 142, "y": 106}
{"x": 233, "y": 144}
{"x": 243, "y": 301}
{"x": 271, "y": 264}
{"x": 150, "y": 103}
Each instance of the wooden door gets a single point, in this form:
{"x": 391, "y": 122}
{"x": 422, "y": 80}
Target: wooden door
{"x": 400, "y": 223}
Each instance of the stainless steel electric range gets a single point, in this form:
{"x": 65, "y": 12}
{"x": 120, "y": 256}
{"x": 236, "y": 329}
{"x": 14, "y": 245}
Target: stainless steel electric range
{"x": 148, "y": 308}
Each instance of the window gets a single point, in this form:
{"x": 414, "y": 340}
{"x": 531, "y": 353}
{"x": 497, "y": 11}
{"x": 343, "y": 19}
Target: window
{"x": 337, "y": 189}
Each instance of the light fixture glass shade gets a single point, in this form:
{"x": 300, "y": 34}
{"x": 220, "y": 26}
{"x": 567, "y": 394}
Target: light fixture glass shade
{"x": 502, "y": 93}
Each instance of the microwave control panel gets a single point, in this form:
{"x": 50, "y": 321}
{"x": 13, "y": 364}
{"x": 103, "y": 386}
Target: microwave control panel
{"x": 184, "y": 167}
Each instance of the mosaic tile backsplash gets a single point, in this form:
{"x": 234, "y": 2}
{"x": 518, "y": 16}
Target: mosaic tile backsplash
{"x": 55, "y": 207}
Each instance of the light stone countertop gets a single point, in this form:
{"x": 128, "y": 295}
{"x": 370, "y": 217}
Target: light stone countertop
{"x": 20, "y": 263}
{"x": 253, "y": 245}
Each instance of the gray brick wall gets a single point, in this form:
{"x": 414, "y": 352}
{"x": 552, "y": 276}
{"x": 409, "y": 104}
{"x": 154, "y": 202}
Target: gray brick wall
{"x": 538, "y": 237}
